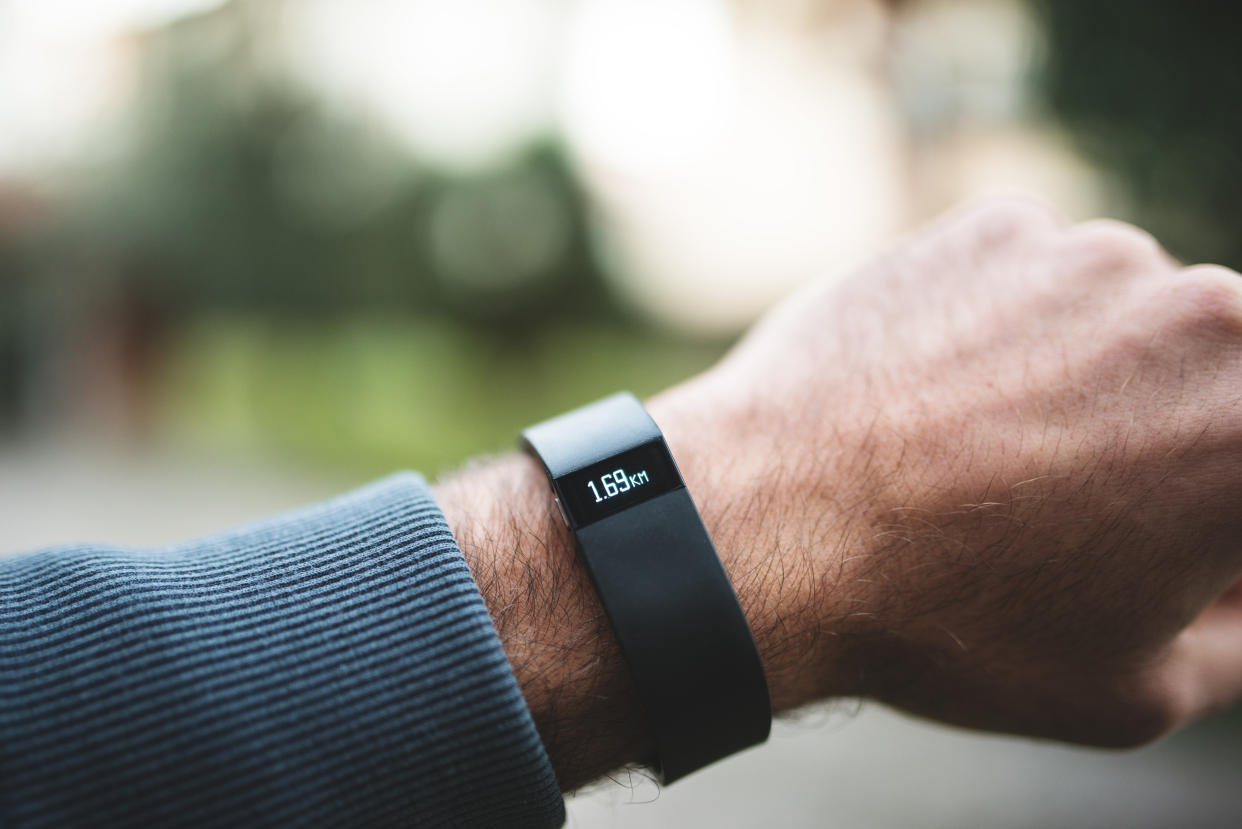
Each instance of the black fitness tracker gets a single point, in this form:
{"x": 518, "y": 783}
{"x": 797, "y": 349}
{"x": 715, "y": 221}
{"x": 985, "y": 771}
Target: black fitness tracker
{"x": 682, "y": 632}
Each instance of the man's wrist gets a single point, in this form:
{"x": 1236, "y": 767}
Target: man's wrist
{"x": 793, "y": 596}
{"x": 549, "y": 619}
{"x": 553, "y": 628}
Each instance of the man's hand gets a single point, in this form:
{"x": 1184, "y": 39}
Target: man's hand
{"x": 993, "y": 478}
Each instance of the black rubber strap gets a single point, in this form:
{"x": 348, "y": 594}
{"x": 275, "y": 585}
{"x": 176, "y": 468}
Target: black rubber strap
{"x": 682, "y": 632}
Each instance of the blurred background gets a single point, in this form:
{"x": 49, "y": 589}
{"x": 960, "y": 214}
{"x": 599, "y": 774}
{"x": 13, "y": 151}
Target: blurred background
{"x": 255, "y": 252}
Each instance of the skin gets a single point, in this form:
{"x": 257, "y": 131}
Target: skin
{"x": 992, "y": 478}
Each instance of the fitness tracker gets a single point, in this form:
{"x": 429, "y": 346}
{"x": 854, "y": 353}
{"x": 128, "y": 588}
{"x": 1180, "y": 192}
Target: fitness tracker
{"x": 682, "y": 632}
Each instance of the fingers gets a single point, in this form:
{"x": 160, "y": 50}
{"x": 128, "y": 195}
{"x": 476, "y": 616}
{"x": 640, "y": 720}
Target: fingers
{"x": 1007, "y": 211}
{"x": 1107, "y": 245}
{"x": 1206, "y": 662}
{"x": 994, "y": 221}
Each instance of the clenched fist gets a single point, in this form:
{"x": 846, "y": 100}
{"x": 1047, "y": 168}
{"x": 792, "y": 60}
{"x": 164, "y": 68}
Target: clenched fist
{"x": 994, "y": 478}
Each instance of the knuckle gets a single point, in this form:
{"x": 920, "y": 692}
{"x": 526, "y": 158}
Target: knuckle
{"x": 1107, "y": 245}
{"x": 1205, "y": 299}
{"x": 1000, "y": 219}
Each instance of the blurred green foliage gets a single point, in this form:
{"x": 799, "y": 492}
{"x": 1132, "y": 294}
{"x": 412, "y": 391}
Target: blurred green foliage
{"x": 240, "y": 190}
{"x": 372, "y": 393}
{"x": 1152, "y": 92}
{"x": 313, "y": 288}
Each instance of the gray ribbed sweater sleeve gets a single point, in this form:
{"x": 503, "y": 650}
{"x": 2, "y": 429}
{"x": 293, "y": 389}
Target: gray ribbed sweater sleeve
{"x": 334, "y": 666}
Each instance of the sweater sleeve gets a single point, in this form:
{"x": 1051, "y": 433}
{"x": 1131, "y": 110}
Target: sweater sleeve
{"x": 335, "y": 666}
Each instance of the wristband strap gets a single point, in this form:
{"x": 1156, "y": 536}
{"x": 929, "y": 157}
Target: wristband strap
{"x": 682, "y": 632}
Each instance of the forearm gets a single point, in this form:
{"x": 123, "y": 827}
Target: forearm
{"x": 330, "y": 666}
{"x": 554, "y": 630}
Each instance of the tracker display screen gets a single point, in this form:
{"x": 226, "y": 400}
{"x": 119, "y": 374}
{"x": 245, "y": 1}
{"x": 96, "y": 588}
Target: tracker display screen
{"x": 607, "y": 487}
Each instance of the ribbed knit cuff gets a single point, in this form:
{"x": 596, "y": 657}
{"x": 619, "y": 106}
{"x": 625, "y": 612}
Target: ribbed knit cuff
{"x": 334, "y": 666}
